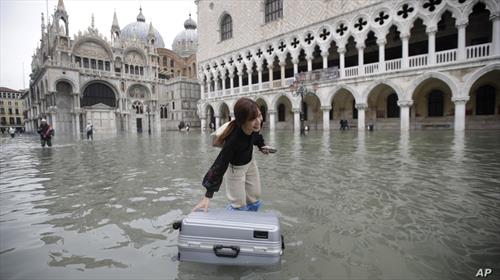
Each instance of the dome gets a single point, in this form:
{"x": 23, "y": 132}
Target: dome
{"x": 186, "y": 42}
{"x": 139, "y": 30}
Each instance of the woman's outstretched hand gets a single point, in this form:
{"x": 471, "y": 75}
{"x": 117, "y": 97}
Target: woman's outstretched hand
{"x": 267, "y": 149}
{"x": 203, "y": 204}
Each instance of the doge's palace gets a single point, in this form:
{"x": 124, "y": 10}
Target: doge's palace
{"x": 398, "y": 64}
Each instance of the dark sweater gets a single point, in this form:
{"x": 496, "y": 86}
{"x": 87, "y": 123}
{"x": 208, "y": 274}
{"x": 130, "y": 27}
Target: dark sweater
{"x": 237, "y": 150}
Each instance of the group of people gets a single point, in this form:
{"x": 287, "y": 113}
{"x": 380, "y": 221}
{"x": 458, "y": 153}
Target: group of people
{"x": 344, "y": 125}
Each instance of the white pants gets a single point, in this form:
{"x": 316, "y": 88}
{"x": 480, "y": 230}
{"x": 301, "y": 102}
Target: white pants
{"x": 242, "y": 184}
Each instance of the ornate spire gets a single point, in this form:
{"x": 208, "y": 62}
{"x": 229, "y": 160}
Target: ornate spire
{"x": 115, "y": 22}
{"x": 141, "y": 17}
{"x": 92, "y": 24}
{"x": 60, "y": 6}
{"x": 43, "y": 24}
{"x": 190, "y": 23}
{"x": 151, "y": 31}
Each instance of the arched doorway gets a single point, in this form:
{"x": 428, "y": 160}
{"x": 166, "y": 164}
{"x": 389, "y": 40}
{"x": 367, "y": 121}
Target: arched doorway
{"x": 383, "y": 109}
{"x": 343, "y": 107}
{"x": 483, "y": 108}
{"x": 285, "y": 113}
{"x": 96, "y": 93}
{"x": 432, "y": 105}
{"x": 99, "y": 103}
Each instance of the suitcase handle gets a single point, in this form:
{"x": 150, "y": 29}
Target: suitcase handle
{"x": 220, "y": 251}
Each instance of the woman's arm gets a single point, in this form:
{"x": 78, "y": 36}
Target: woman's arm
{"x": 213, "y": 178}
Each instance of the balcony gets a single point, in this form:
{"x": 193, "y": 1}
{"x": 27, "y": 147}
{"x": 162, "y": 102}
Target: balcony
{"x": 417, "y": 62}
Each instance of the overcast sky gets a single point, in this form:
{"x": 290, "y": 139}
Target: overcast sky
{"x": 20, "y": 22}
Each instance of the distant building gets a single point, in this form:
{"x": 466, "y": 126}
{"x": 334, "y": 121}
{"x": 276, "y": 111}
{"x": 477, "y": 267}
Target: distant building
{"x": 128, "y": 83}
{"x": 11, "y": 109}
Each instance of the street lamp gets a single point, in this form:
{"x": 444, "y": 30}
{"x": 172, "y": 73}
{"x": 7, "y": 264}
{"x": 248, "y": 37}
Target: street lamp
{"x": 148, "y": 111}
{"x": 298, "y": 88}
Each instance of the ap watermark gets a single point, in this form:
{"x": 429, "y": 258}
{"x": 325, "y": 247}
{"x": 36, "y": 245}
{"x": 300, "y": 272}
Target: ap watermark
{"x": 484, "y": 272}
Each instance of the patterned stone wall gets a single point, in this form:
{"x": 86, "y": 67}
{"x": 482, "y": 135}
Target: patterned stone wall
{"x": 249, "y": 24}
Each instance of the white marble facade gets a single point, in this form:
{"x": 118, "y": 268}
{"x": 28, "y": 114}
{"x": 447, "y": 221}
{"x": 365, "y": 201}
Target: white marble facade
{"x": 394, "y": 64}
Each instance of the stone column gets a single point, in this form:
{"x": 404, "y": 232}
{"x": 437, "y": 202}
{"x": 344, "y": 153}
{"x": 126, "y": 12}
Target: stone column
{"x": 259, "y": 73}
{"x": 381, "y": 55}
{"x": 404, "y": 39}
{"x": 282, "y": 72}
{"x": 404, "y": 113}
{"x": 231, "y": 81}
{"x": 361, "y": 58}
{"x": 223, "y": 81}
{"x": 209, "y": 85}
{"x": 202, "y": 89}
{"x": 54, "y": 120}
{"x": 309, "y": 63}
{"x": 217, "y": 121}
{"x": 324, "y": 55}
{"x": 270, "y": 67}
{"x": 272, "y": 120}
{"x": 326, "y": 117}
{"x": 361, "y": 115}
{"x": 296, "y": 119}
{"x": 460, "y": 103}
{"x": 203, "y": 124}
{"x": 342, "y": 61}
{"x": 461, "y": 53}
{"x": 240, "y": 78}
{"x": 496, "y": 34}
{"x": 431, "y": 32}
{"x": 249, "y": 73}
{"x": 295, "y": 62}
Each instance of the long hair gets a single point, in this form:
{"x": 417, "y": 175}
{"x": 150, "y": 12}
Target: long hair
{"x": 245, "y": 110}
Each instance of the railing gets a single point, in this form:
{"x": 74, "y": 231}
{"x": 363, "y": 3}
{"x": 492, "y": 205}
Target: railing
{"x": 351, "y": 71}
{"x": 392, "y": 65}
{"x": 331, "y": 73}
{"x": 446, "y": 56}
{"x": 478, "y": 51}
{"x": 417, "y": 60}
{"x": 371, "y": 68}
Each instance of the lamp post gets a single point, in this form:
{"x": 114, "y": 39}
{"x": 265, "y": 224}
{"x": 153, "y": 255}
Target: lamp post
{"x": 148, "y": 110}
{"x": 298, "y": 88}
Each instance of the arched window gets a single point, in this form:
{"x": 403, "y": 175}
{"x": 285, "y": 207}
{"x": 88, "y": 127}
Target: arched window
{"x": 138, "y": 107}
{"x": 392, "y": 106}
{"x": 165, "y": 62}
{"x": 98, "y": 93}
{"x": 281, "y": 113}
{"x": 226, "y": 28}
{"x": 485, "y": 100}
{"x": 273, "y": 10}
{"x": 435, "y": 104}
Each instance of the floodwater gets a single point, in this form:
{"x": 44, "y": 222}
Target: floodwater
{"x": 380, "y": 205}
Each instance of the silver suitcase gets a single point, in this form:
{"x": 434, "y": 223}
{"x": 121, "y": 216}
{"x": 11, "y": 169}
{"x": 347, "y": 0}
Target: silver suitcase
{"x": 227, "y": 237}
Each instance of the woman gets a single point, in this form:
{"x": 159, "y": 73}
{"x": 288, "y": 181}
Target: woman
{"x": 242, "y": 178}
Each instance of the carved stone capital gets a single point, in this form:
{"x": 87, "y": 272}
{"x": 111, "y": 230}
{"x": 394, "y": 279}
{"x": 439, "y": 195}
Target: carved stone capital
{"x": 405, "y": 103}
{"x": 460, "y": 99}
{"x": 361, "y": 106}
{"x": 326, "y": 108}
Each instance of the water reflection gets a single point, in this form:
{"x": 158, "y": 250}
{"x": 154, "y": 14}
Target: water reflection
{"x": 352, "y": 205}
